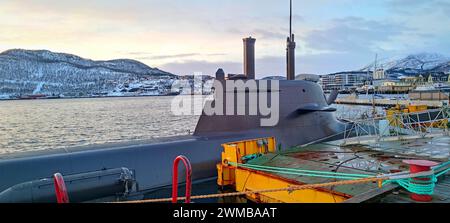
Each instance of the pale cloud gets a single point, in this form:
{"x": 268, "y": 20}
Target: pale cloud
{"x": 150, "y": 56}
{"x": 413, "y": 7}
{"x": 190, "y": 67}
{"x": 175, "y": 56}
{"x": 354, "y": 34}
{"x": 265, "y": 66}
{"x": 182, "y": 36}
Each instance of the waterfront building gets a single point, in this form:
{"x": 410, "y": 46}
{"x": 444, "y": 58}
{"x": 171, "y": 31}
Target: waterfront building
{"x": 437, "y": 77}
{"x": 401, "y": 84}
{"x": 345, "y": 80}
{"x": 379, "y": 74}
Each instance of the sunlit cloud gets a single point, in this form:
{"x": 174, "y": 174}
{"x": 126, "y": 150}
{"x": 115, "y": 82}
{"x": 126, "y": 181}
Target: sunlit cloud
{"x": 206, "y": 34}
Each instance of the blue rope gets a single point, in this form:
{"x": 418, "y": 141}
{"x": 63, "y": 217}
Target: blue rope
{"x": 440, "y": 165}
{"x": 419, "y": 185}
{"x": 301, "y": 172}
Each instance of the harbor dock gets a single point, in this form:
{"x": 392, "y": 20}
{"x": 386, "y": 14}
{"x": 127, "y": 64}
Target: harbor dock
{"x": 389, "y": 102}
{"x": 331, "y": 165}
{"x": 354, "y": 169}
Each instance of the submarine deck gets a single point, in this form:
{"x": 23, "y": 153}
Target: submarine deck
{"x": 383, "y": 157}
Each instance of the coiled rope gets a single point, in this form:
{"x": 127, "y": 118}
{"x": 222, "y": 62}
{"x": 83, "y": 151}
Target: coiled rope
{"x": 404, "y": 179}
{"x": 423, "y": 183}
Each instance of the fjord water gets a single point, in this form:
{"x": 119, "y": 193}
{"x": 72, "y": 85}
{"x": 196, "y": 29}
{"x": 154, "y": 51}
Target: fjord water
{"x": 30, "y": 125}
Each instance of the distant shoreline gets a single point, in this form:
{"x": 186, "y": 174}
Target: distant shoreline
{"x": 59, "y": 98}
{"x": 125, "y": 96}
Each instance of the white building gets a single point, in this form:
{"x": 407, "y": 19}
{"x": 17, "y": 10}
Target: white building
{"x": 344, "y": 80}
{"x": 379, "y": 74}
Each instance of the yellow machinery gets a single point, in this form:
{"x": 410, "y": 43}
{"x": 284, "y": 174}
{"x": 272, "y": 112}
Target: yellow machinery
{"x": 417, "y": 116}
{"x": 410, "y": 109}
{"x": 235, "y": 152}
{"x": 242, "y": 179}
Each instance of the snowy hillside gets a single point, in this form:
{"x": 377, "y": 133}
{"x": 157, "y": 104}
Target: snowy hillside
{"x": 26, "y": 72}
{"x": 423, "y": 61}
{"x": 415, "y": 64}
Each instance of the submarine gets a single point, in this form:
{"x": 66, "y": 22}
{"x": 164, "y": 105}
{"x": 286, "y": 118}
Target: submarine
{"x": 129, "y": 170}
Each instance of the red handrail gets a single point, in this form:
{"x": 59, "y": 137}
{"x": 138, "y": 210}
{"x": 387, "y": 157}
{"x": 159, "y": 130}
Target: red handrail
{"x": 187, "y": 165}
{"x": 60, "y": 189}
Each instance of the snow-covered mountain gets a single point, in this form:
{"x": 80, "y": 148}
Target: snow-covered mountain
{"x": 26, "y": 72}
{"x": 422, "y": 61}
{"x": 415, "y": 64}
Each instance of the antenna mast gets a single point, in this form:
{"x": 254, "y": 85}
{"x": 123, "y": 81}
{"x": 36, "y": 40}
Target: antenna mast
{"x": 290, "y": 19}
{"x": 290, "y": 49}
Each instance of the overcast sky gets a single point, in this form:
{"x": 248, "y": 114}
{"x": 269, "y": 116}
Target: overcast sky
{"x": 186, "y": 36}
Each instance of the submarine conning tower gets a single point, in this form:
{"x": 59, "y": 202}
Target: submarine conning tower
{"x": 300, "y": 107}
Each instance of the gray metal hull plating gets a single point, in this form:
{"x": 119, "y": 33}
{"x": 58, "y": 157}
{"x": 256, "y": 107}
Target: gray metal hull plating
{"x": 152, "y": 162}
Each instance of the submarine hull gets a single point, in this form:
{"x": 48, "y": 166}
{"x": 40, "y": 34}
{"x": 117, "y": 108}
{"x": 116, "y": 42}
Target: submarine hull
{"x": 152, "y": 163}
{"x": 304, "y": 118}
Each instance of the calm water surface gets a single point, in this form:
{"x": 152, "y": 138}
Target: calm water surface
{"x": 27, "y": 125}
